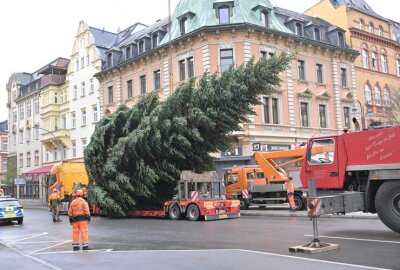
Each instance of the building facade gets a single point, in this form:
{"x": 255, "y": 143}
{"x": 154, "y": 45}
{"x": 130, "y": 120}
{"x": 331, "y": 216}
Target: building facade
{"x": 25, "y": 146}
{"x": 3, "y": 151}
{"x": 378, "y": 66}
{"x": 85, "y": 102}
{"x": 316, "y": 93}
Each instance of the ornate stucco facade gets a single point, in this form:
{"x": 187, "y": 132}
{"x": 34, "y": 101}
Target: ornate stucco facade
{"x": 317, "y": 91}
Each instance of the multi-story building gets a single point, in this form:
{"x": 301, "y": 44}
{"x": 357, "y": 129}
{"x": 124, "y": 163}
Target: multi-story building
{"x": 25, "y": 147}
{"x": 85, "y": 106}
{"x": 53, "y": 109}
{"x": 3, "y": 151}
{"x": 378, "y": 66}
{"x": 317, "y": 91}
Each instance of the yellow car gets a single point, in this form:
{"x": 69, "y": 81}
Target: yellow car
{"x": 11, "y": 209}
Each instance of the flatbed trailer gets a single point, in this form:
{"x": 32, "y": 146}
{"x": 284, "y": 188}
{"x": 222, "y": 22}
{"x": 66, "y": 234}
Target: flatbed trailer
{"x": 207, "y": 204}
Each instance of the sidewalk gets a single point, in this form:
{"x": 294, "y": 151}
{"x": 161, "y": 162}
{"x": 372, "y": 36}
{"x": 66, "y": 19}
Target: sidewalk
{"x": 269, "y": 211}
{"x": 283, "y": 211}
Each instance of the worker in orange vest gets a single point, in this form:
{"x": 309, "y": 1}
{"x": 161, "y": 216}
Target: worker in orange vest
{"x": 54, "y": 205}
{"x": 290, "y": 193}
{"x": 79, "y": 218}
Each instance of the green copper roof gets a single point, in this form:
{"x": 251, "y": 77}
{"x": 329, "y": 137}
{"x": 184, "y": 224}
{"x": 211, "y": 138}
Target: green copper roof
{"x": 202, "y": 13}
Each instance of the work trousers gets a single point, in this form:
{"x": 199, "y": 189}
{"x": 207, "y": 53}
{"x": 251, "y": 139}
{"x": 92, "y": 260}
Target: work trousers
{"x": 55, "y": 212}
{"x": 291, "y": 201}
{"x": 80, "y": 228}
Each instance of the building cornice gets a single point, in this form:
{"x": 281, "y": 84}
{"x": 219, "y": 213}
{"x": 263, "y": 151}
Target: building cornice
{"x": 250, "y": 28}
{"x": 376, "y": 39}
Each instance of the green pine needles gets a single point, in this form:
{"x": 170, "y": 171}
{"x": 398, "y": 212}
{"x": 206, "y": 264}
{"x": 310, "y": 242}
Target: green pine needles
{"x": 136, "y": 154}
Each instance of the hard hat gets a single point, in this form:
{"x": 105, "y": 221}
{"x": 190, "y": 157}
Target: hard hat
{"x": 79, "y": 193}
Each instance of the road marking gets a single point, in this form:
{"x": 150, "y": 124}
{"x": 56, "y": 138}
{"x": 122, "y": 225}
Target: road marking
{"x": 59, "y": 244}
{"x": 357, "y": 239}
{"x": 314, "y": 260}
{"x": 33, "y": 258}
{"x": 30, "y": 237}
{"x": 74, "y": 252}
{"x": 41, "y": 242}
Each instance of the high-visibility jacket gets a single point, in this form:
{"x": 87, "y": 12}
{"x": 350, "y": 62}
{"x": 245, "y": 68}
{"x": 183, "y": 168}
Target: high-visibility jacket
{"x": 290, "y": 188}
{"x": 54, "y": 199}
{"x": 79, "y": 210}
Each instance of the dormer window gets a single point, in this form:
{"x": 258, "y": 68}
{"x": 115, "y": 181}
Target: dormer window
{"x": 299, "y": 29}
{"x": 128, "y": 53}
{"x": 265, "y": 18}
{"x": 224, "y": 16}
{"x": 154, "y": 40}
{"x": 317, "y": 34}
{"x": 141, "y": 46}
{"x": 341, "y": 40}
{"x": 109, "y": 60}
{"x": 182, "y": 25}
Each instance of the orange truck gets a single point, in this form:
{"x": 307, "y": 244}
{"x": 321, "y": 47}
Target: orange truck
{"x": 67, "y": 177}
{"x": 266, "y": 183}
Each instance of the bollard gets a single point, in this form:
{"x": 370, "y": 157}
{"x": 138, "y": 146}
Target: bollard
{"x": 312, "y": 191}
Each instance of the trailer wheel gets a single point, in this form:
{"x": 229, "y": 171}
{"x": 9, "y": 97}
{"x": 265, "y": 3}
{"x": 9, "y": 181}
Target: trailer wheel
{"x": 193, "y": 212}
{"x": 387, "y": 202}
{"x": 174, "y": 212}
{"x": 298, "y": 202}
{"x": 243, "y": 205}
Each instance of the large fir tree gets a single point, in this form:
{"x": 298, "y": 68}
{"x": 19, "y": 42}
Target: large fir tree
{"x": 136, "y": 155}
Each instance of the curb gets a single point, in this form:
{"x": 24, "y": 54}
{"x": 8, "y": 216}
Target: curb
{"x": 304, "y": 215}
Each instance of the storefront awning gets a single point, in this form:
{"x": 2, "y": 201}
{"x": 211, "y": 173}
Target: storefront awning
{"x": 39, "y": 171}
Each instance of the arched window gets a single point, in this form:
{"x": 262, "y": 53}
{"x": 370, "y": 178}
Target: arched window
{"x": 265, "y": 18}
{"x": 398, "y": 66}
{"x": 377, "y": 96}
{"x": 128, "y": 53}
{"x": 182, "y": 25}
{"x": 362, "y": 24}
{"x": 299, "y": 29}
{"x": 317, "y": 34}
{"x": 141, "y": 46}
{"x": 224, "y": 16}
{"x": 368, "y": 96}
{"x": 375, "y": 61}
{"x": 384, "y": 63}
{"x": 371, "y": 28}
{"x": 365, "y": 60}
{"x": 380, "y": 30}
{"x": 155, "y": 40}
{"x": 109, "y": 60}
{"x": 386, "y": 97}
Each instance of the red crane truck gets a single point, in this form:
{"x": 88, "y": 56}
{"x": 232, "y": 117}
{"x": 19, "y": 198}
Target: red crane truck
{"x": 359, "y": 171}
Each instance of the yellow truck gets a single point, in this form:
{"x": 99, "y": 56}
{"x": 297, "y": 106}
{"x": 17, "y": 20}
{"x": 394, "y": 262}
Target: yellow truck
{"x": 67, "y": 177}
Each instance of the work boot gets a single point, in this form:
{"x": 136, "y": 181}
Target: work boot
{"x": 292, "y": 210}
{"x": 85, "y": 247}
{"x": 75, "y": 247}
{"x": 54, "y": 220}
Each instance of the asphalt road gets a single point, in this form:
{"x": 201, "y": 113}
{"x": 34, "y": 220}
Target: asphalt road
{"x": 247, "y": 242}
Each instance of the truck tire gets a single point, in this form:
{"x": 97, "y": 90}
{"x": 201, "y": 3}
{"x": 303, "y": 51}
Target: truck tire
{"x": 387, "y": 202}
{"x": 193, "y": 212}
{"x": 298, "y": 202}
{"x": 174, "y": 212}
{"x": 20, "y": 220}
{"x": 243, "y": 205}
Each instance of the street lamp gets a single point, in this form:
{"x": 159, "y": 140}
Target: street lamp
{"x": 52, "y": 134}
{"x": 362, "y": 115}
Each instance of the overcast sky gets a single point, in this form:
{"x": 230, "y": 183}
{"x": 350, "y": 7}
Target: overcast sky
{"x": 35, "y": 32}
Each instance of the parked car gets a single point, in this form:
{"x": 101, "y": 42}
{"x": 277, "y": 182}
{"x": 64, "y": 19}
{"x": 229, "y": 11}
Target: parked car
{"x": 11, "y": 209}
